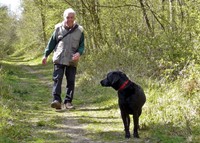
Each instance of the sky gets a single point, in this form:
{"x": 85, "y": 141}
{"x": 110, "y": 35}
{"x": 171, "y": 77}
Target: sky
{"x": 13, "y": 5}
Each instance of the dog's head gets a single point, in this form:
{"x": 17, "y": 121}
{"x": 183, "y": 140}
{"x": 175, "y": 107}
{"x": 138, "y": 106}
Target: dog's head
{"x": 115, "y": 79}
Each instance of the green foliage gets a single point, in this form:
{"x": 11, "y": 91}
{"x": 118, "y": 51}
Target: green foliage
{"x": 11, "y": 129}
{"x": 7, "y": 32}
{"x": 121, "y": 36}
{"x": 163, "y": 57}
{"x": 170, "y": 113}
{"x": 161, "y": 50}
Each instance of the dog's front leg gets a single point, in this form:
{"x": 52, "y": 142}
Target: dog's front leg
{"x": 126, "y": 122}
{"x": 136, "y": 125}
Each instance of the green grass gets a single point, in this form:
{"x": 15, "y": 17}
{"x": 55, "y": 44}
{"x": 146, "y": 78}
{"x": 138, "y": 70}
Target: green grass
{"x": 170, "y": 115}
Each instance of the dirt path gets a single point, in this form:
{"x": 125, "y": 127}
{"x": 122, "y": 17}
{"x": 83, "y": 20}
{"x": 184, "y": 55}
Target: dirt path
{"x": 71, "y": 128}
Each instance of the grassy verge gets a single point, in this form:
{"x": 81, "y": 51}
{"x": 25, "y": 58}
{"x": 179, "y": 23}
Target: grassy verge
{"x": 24, "y": 101}
{"x": 170, "y": 115}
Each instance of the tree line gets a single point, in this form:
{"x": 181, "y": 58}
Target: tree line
{"x": 151, "y": 37}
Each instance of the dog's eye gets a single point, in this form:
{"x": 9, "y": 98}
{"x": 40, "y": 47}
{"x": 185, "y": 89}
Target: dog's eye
{"x": 109, "y": 79}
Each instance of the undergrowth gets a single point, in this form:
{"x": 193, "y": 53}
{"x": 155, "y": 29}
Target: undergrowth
{"x": 170, "y": 115}
{"x": 11, "y": 129}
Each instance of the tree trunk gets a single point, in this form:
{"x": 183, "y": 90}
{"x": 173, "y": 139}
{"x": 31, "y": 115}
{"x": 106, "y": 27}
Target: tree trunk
{"x": 41, "y": 5}
{"x": 171, "y": 15}
{"x": 146, "y": 17}
{"x": 181, "y": 8}
{"x": 94, "y": 26}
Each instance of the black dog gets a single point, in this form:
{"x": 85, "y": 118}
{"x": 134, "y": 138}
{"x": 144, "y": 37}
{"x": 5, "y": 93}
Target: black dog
{"x": 131, "y": 99}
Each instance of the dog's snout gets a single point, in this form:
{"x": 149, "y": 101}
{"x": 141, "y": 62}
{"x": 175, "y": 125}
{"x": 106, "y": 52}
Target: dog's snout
{"x": 104, "y": 82}
{"x": 101, "y": 82}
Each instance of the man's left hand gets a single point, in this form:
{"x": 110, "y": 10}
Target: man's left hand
{"x": 76, "y": 56}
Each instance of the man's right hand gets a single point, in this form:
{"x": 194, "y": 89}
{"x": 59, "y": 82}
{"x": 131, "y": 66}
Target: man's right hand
{"x": 44, "y": 60}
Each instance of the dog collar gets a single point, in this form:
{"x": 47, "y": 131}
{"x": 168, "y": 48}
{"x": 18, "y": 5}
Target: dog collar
{"x": 123, "y": 85}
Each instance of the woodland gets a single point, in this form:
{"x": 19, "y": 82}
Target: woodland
{"x": 155, "y": 42}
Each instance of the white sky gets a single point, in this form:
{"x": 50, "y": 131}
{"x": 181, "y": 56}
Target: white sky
{"x": 12, "y": 4}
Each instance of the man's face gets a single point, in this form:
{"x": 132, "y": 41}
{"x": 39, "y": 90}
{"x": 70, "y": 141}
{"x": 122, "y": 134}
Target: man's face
{"x": 70, "y": 19}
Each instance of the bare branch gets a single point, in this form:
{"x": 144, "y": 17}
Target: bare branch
{"x": 182, "y": 14}
{"x": 146, "y": 17}
{"x": 69, "y": 3}
{"x": 119, "y": 6}
{"x": 85, "y": 5}
{"x": 154, "y": 14}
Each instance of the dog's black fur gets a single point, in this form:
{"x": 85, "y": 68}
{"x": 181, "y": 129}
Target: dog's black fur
{"x": 131, "y": 99}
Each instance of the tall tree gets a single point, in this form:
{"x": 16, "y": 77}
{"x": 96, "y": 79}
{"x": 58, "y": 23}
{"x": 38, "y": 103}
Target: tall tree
{"x": 41, "y": 4}
{"x": 7, "y": 32}
{"x": 121, "y": 27}
{"x": 92, "y": 7}
{"x": 145, "y": 16}
{"x": 171, "y": 14}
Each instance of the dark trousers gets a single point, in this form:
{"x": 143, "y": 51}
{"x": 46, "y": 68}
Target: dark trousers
{"x": 70, "y": 72}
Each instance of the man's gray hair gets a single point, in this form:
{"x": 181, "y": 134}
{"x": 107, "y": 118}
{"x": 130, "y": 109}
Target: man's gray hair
{"x": 67, "y": 11}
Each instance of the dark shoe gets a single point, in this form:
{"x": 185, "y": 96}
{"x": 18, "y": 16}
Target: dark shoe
{"x": 56, "y": 104}
{"x": 69, "y": 105}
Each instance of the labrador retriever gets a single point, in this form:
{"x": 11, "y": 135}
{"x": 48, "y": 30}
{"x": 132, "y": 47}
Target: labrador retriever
{"x": 131, "y": 98}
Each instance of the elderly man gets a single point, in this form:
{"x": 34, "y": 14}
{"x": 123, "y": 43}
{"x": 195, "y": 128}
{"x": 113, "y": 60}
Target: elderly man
{"x": 67, "y": 42}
